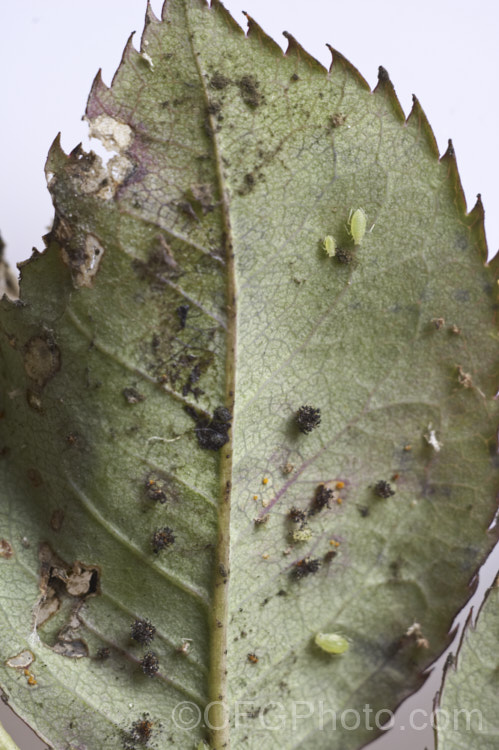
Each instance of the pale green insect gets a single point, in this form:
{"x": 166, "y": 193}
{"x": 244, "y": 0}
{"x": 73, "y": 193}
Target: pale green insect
{"x": 358, "y": 223}
{"x": 332, "y": 643}
{"x": 329, "y": 245}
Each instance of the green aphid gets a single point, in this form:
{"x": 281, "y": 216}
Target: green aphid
{"x": 332, "y": 643}
{"x": 358, "y": 224}
{"x": 329, "y": 245}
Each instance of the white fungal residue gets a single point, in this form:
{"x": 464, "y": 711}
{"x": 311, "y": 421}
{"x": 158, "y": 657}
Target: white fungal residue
{"x": 113, "y": 134}
{"x": 108, "y": 173}
{"x": 148, "y": 59}
{"x": 431, "y": 439}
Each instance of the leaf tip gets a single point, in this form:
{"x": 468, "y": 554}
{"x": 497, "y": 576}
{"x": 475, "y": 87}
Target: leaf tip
{"x": 449, "y": 159}
{"x": 98, "y": 90}
{"x": 418, "y": 119}
{"x": 218, "y": 7}
{"x": 340, "y": 61}
{"x": 450, "y": 153}
{"x": 151, "y": 17}
{"x": 383, "y": 75}
{"x": 256, "y": 31}
{"x": 385, "y": 88}
{"x": 476, "y": 219}
{"x": 295, "y": 49}
{"x": 56, "y": 158}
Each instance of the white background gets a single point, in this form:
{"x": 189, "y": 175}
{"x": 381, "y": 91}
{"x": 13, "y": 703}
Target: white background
{"x": 444, "y": 51}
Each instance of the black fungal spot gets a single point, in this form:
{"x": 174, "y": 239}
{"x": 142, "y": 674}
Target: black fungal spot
{"x": 142, "y": 631}
{"x": 344, "y": 255}
{"x": 132, "y": 396}
{"x": 219, "y": 81}
{"x": 150, "y": 664}
{"x": 364, "y": 511}
{"x": 212, "y": 434}
{"x": 214, "y": 108}
{"x": 160, "y": 266}
{"x": 297, "y": 516}
{"x": 307, "y": 418}
{"x": 103, "y": 653}
{"x": 249, "y": 184}
{"x": 305, "y": 567}
{"x": 323, "y": 496}
{"x": 182, "y": 314}
{"x": 155, "y": 490}
{"x": 162, "y": 538}
{"x": 383, "y": 489}
{"x": 261, "y": 520}
{"x": 72, "y": 439}
{"x": 295, "y": 77}
{"x": 248, "y": 86}
{"x": 140, "y": 733}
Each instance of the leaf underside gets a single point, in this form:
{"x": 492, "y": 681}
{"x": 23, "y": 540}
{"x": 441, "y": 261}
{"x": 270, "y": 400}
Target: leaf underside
{"x": 467, "y": 702}
{"x": 189, "y": 274}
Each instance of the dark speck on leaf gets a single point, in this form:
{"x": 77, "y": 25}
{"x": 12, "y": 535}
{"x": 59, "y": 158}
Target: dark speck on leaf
{"x": 383, "y": 489}
{"x": 323, "y": 496}
{"x": 132, "y": 396}
{"x": 307, "y": 418}
{"x": 142, "y": 631}
{"x": 182, "y": 314}
{"x": 155, "y": 491}
{"x": 248, "y": 86}
{"x": 219, "y": 81}
{"x": 140, "y": 733}
{"x": 344, "y": 255}
{"x": 305, "y": 567}
{"x": 150, "y": 664}
{"x": 212, "y": 434}
{"x": 297, "y": 516}
{"x": 162, "y": 538}
{"x": 222, "y": 414}
{"x": 214, "y": 108}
